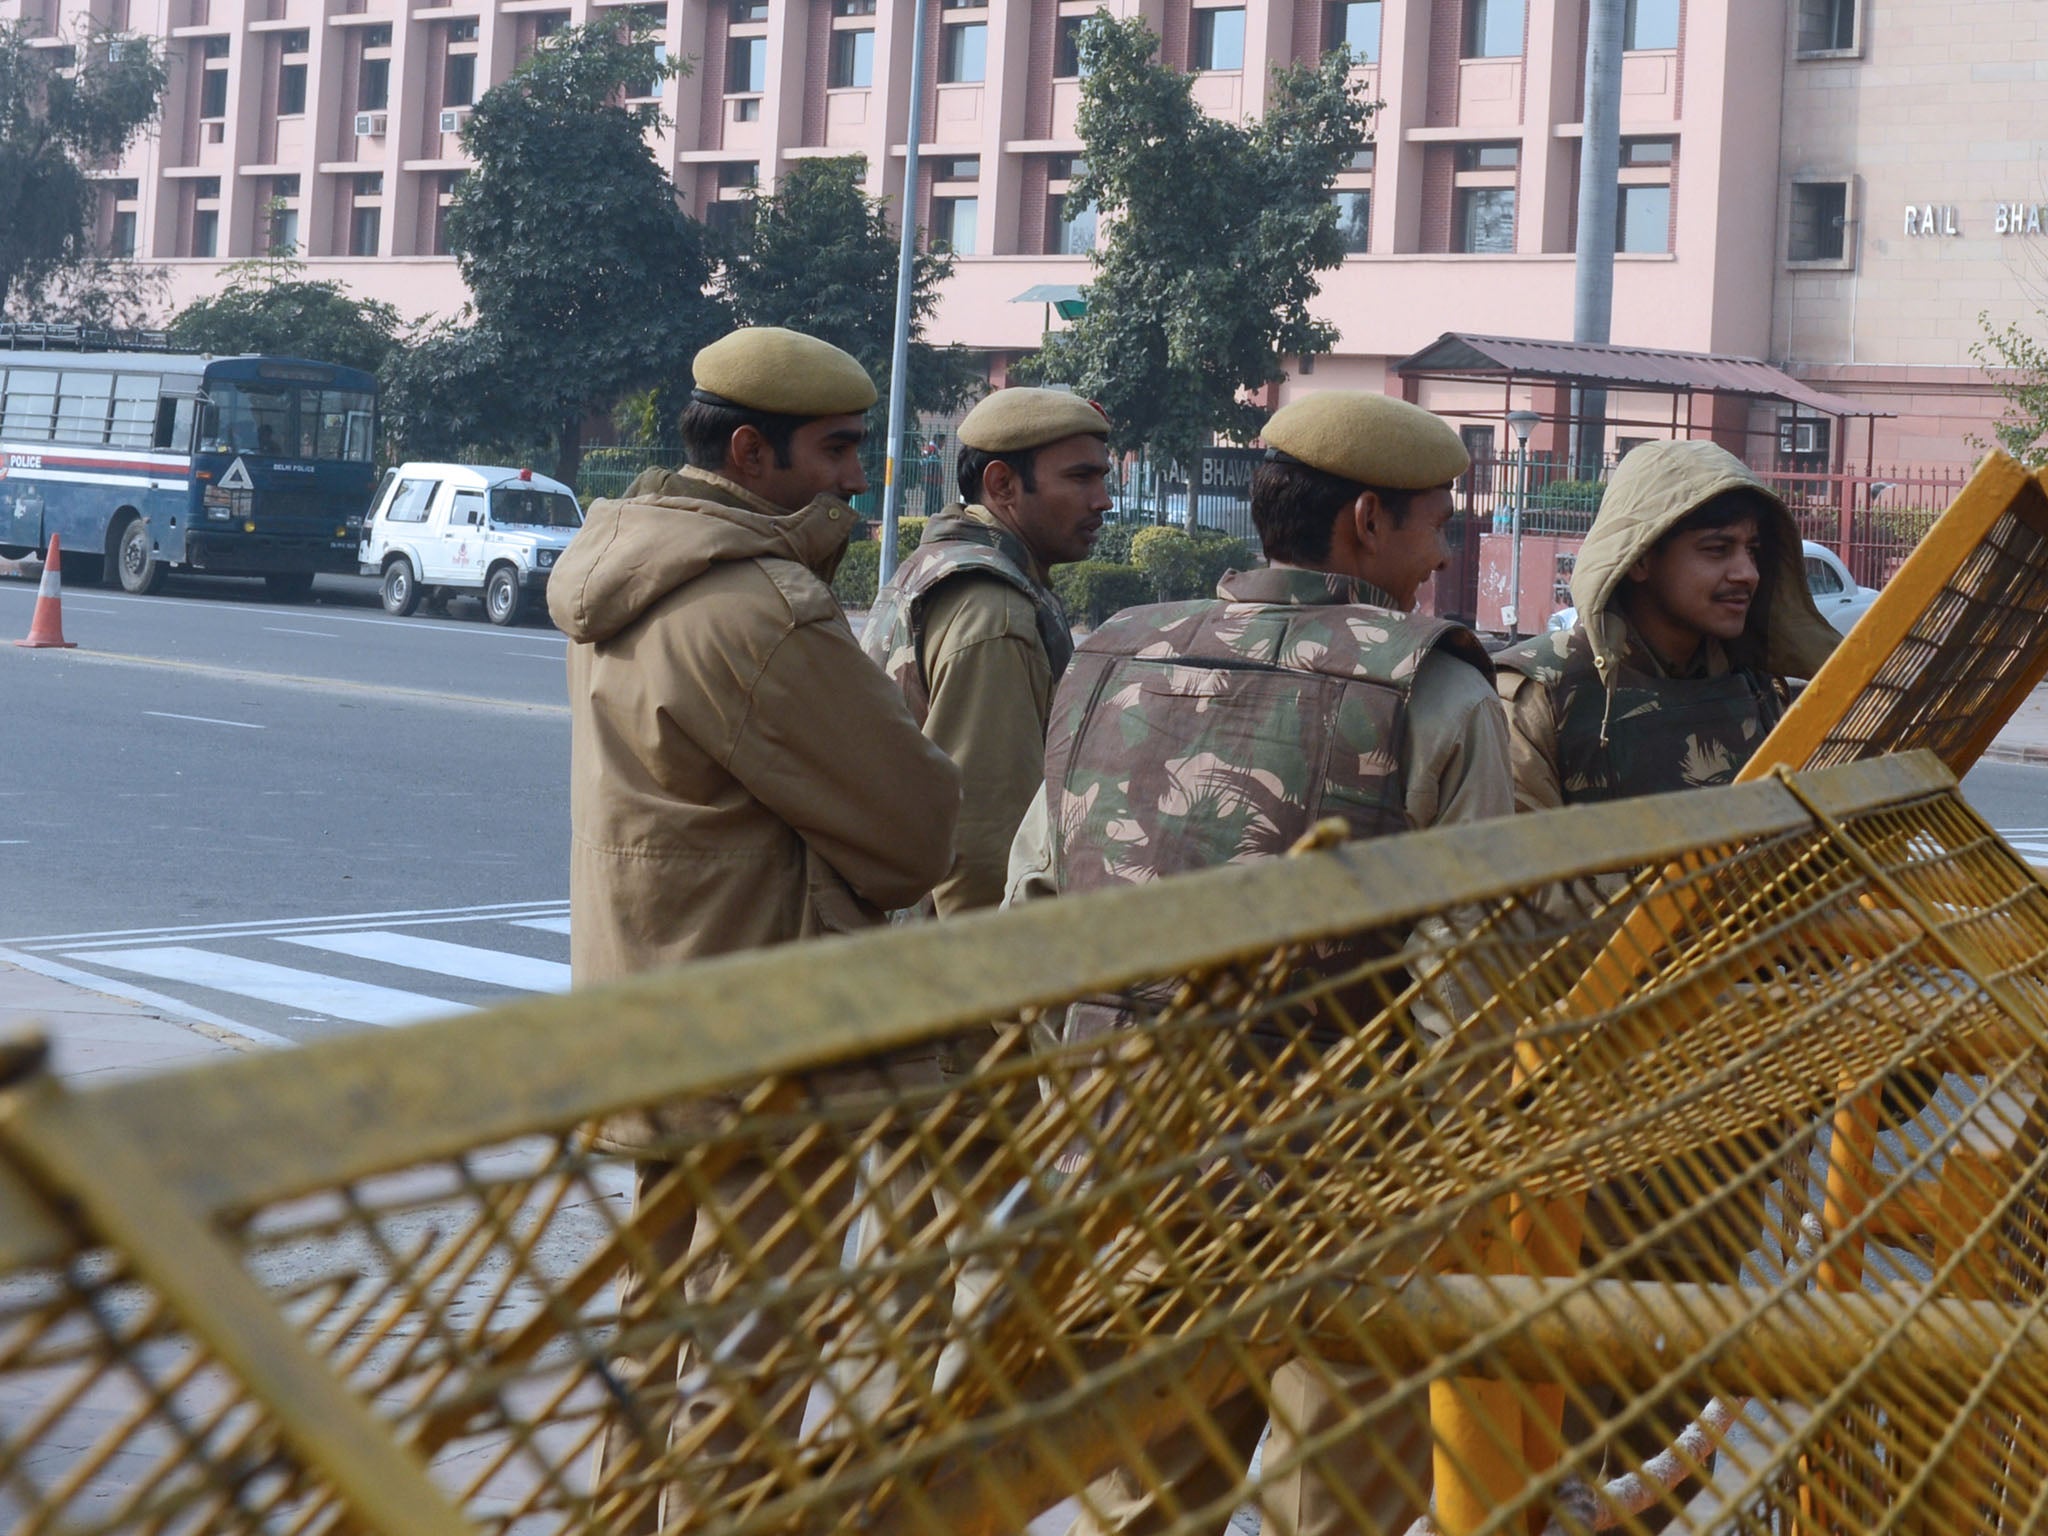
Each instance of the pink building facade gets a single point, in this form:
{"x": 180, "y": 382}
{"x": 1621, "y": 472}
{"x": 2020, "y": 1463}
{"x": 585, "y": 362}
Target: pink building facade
{"x": 1837, "y": 186}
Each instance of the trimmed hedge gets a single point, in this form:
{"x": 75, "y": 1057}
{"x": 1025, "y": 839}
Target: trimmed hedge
{"x": 1183, "y": 565}
{"x": 855, "y": 582}
{"x": 1092, "y": 590}
{"x": 1113, "y": 544}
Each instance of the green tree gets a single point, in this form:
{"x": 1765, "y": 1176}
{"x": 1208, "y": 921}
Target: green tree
{"x": 587, "y": 279}
{"x": 1215, "y": 232}
{"x": 819, "y": 255}
{"x": 2017, "y": 362}
{"x": 63, "y": 111}
{"x": 95, "y": 290}
{"x": 271, "y": 306}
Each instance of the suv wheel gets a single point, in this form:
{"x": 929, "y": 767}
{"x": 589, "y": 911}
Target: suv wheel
{"x": 401, "y": 588}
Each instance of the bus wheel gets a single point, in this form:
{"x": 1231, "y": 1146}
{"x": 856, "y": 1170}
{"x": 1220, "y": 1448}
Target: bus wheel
{"x": 289, "y": 587}
{"x": 139, "y": 568}
{"x": 401, "y": 588}
{"x": 502, "y": 598}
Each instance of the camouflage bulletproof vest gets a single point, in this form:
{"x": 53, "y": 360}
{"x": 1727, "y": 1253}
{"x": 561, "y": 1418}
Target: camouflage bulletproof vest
{"x": 1657, "y": 735}
{"x": 1195, "y": 734}
{"x": 954, "y": 543}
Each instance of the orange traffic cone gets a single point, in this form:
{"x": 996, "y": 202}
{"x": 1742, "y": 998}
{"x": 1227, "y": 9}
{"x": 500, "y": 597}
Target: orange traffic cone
{"x": 47, "y": 627}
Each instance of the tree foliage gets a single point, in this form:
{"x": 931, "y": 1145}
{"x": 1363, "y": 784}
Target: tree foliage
{"x": 820, "y": 256}
{"x": 587, "y": 279}
{"x": 95, "y": 290}
{"x": 2017, "y": 361}
{"x": 1215, "y": 232}
{"x": 58, "y": 119}
{"x": 271, "y": 306}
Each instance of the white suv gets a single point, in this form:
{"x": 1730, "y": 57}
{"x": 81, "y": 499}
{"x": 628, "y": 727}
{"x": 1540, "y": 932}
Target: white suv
{"x": 436, "y": 530}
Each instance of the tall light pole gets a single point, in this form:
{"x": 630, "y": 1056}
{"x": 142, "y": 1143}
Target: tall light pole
{"x": 906, "y": 262}
{"x": 1593, "y": 268}
{"x": 1522, "y": 422}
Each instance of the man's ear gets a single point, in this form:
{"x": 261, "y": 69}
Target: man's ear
{"x": 998, "y": 483}
{"x": 1640, "y": 571}
{"x": 1368, "y": 519}
{"x": 748, "y": 450}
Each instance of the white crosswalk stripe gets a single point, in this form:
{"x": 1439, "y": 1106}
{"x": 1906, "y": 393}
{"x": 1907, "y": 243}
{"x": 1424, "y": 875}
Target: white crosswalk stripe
{"x": 494, "y": 967}
{"x": 546, "y": 924}
{"x": 308, "y": 991}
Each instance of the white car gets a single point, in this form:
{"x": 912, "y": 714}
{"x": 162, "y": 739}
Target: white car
{"x": 438, "y": 530}
{"x": 1836, "y": 594}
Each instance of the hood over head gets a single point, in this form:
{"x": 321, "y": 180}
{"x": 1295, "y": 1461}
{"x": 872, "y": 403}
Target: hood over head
{"x": 671, "y": 527}
{"x": 1656, "y": 487}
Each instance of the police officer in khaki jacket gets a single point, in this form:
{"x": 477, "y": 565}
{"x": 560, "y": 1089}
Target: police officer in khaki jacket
{"x": 968, "y": 627}
{"x": 740, "y": 774}
{"x": 1693, "y": 611}
{"x": 1302, "y": 691}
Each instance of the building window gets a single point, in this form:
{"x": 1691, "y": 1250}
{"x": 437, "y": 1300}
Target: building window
{"x": 853, "y": 7}
{"x": 1354, "y": 219}
{"x": 749, "y": 10}
{"x": 963, "y": 56}
{"x": 1642, "y": 219}
{"x": 373, "y": 86}
{"x": 1493, "y": 29}
{"x": 122, "y": 242}
{"x": 747, "y": 109}
{"x": 1805, "y": 439}
{"x": 1647, "y": 151}
{"x": 1219, "y": 38}
{"x": 1827, "y": 26}
{"x": 213, "y": 94}
{"x": 853, "y": 59}
{"x": 291, "y": 90}
{"x": 1818, "y": 222}
{"x": 1066, "y": 47}
{"x": 1064, "y": 236}
{"x": 1650, "y": 24}
{"x": 727, "y": 217}
{"x": 740, "y": 173}
{"x": 444, "y": 199}
{"x": 458, "y": 80}
{"x": 1485, "y": 219}
{"x": 746, "y": 66}
{"x": 378, "y": 36}
{"x": 369, "y": 184}
{"x": 205, "y": 231}
{"x": 548, "y": 23}
{"x": 957, "y": 168}
{"x": 365, "y": 224}
{"x": 1489, "y": 157}
{"x": 1355, "y": 24}
{"x": 284, "y": 231}
{"x": 954, "y": 220}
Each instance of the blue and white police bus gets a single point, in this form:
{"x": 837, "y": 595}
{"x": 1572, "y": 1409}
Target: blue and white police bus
{"x": 150, "y": 462}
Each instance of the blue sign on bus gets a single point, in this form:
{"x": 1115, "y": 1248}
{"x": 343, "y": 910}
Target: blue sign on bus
{"x": 148, "y": 463}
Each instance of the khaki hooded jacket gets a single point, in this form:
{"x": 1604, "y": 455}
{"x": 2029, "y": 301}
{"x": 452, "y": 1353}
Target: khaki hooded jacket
{"x": 1657, "y": 486}
{"x": 740, "y": 773}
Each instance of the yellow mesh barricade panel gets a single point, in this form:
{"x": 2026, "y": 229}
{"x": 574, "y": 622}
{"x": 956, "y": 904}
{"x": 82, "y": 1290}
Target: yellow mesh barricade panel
{"x": 1955, "y": 642}
{"x": 910, "y": 1260}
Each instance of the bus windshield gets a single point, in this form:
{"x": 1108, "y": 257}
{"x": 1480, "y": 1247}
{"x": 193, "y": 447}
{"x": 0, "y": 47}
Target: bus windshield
{"x": 524, "y": 507}
{"x": 290, "y": 421}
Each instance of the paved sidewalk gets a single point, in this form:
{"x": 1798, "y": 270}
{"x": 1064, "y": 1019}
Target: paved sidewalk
{"x": 2025, "y": 737}
{"x": 96, "y": 1037}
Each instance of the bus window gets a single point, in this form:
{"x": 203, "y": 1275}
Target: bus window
{"x": 83, "y": 400}
{"x": 134, "y": 411}
{"x": 288, "y": 421}
{"x": 174, "y": 417}
{"x": 31, "y": 401}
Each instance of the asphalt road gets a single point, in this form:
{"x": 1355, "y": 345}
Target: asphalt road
{"x": 302, "y": 818}
{"x": 296, "y": 817}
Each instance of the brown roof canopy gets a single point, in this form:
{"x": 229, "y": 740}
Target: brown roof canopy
{"x": 1456, "y": 354}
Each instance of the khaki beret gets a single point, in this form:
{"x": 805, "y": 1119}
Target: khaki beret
{"x": 767, "y": 368}
{"x": 1370, "y": 439}
{"x": 1013, "y": 419}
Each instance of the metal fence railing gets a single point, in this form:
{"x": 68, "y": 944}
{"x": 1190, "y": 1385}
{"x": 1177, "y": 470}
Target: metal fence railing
{"x": 1673, "y": 1164}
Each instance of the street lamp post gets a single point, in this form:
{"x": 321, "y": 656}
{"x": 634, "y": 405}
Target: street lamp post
{"x": 1522, "y": 422}
{"x": 906, "y": 261}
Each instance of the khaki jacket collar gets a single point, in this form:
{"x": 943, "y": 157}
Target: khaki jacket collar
{"x": 1290, "y": 586}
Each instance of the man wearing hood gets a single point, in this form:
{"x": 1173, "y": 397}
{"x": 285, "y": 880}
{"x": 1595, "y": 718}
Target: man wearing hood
{"x": 740, "y": 774}
{"x": 1693, "y": 611}
{"x": 970, "y": 630}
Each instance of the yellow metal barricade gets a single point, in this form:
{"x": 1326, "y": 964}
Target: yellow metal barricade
{"x": 939, "y": 1271}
